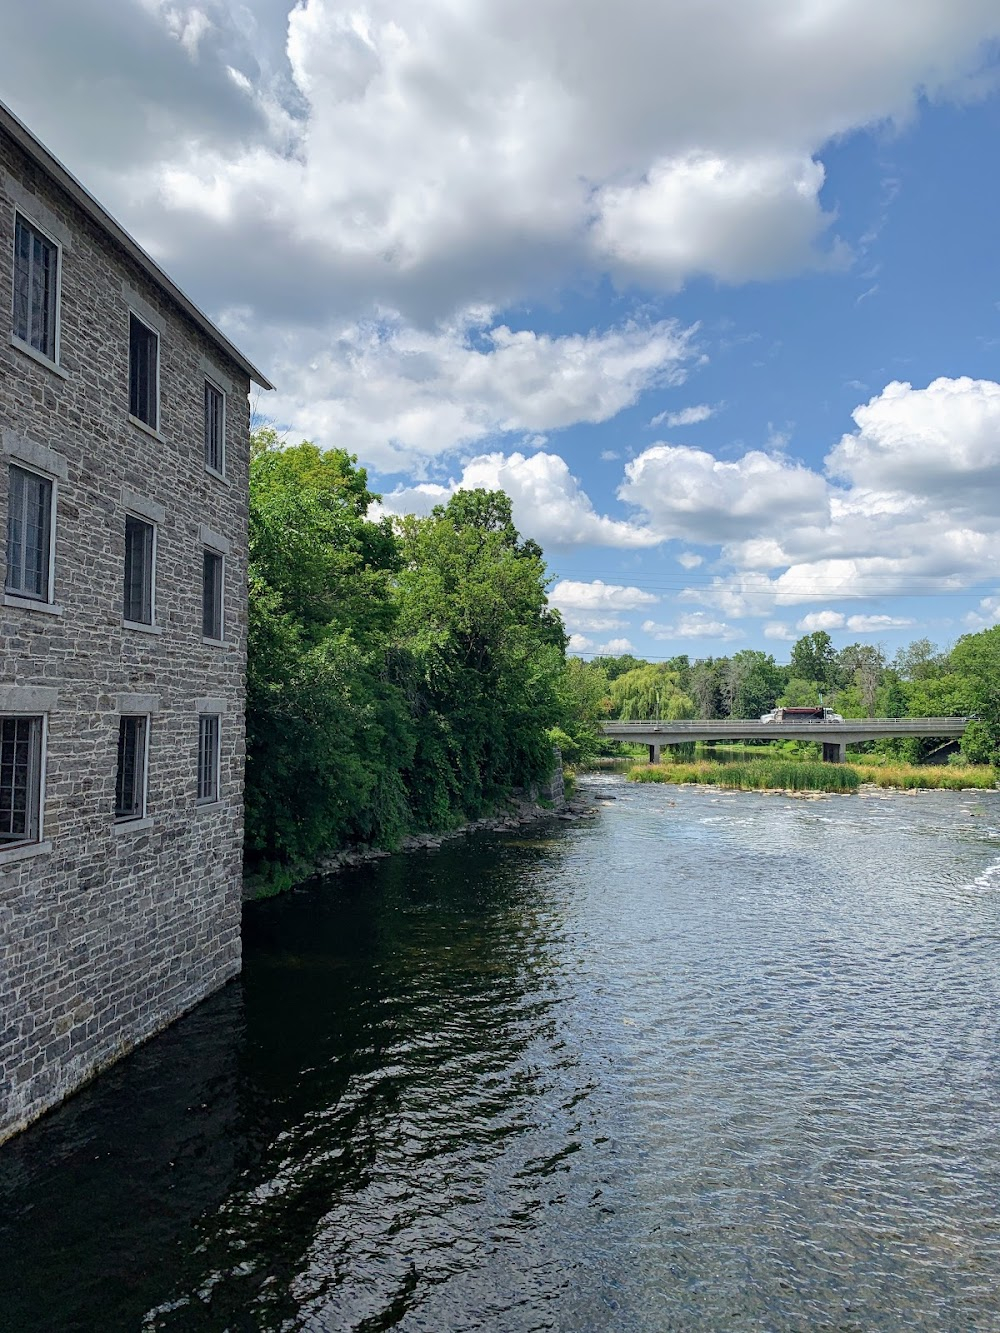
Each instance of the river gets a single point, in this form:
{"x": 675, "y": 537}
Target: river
{"x": 707, "y": 1061}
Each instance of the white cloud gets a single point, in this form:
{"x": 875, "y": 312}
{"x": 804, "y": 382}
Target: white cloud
{"x": 858, "y": 624}
{"x": 817, "y": 620}
{"x": 689, "y": 560}
{"x": 547, "y": 501}
{"x": 399, "y": 397}
{"x": 776, "y": 629}
{"x": 687, "y": 416}
{"x": 689, "y": 493}
{"x": 569, "y": 594}
{"x": 431, "y": 155}
{"x": 986, "y": 614}
{"x": 694, "y": 625}
{"x": 941, "y": 443}
{"x": 610, "y": 455}
{"x": 873, "y": 624}
{"x": 732, "y": 219}
{"x": 583, "y": 623}
{"x": 579, "y": 643}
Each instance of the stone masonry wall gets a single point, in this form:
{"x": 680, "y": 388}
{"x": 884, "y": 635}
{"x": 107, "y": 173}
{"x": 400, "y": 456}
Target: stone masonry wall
{"x": 110, "y": 931}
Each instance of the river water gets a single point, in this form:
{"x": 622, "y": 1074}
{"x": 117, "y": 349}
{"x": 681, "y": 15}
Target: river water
{"x": 708, "y": 1061}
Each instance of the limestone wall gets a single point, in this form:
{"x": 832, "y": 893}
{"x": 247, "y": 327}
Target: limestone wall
{"x": 109, "y": 931}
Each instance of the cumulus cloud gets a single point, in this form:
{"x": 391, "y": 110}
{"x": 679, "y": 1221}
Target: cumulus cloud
{"x": 693, "y": 625}
{"x": 579, "y": 643}
{"x": 942, "y": 443}
{"x": 821, "y": 620}
{"x": 689, "y": 493}
{"x": 777, "y": 629}
{"x": 428, "y": 156}
{"x": 582, "y": 622}
{"x": 569, "y": 594}
{"x": 986, "y": 614}
{"x": 757, "y": 217}
{"x": 547, "y": 501}
{"x": 398, "y": 396}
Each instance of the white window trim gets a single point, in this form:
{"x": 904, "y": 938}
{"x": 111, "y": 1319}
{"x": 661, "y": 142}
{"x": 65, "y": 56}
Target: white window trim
{"x": 19, "y": 598}
{"x": 22, "y": 346}
{"x": 151, "y": 627}
{"x": 133, "y": 313}
{"x": 14, "y": 851}
{"x": 219, "y": 472}
{"x": 202, "y": 803}
{"x": 131, "y": 821}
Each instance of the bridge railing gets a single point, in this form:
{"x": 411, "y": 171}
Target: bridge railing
{"x": 897, "y": 725}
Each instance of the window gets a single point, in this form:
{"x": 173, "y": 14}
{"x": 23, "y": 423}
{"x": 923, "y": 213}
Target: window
{"x": 215, "y": 428}
{"x": 139, "y": 554}
{"x": 130, "y": 785}
{"x": 211, "y": 597}
{"x": 20, "y": 779}
{"x": 29, "y": 534}
{"x": 143, "y": 372}
{"x": 208, "y": 758}
{"x": 36, "y": 269}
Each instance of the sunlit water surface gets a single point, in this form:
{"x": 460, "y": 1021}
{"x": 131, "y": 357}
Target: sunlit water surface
{"x": 708, "y": 1061}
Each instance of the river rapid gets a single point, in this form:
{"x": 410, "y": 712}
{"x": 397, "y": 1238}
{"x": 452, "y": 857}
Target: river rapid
{"x": 707, "y": 1061}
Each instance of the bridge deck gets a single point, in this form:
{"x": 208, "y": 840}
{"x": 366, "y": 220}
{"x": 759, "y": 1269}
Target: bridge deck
{"x": 835, "y": 736}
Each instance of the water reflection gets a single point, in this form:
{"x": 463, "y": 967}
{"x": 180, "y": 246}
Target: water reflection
{"x": 712, "y": 1062}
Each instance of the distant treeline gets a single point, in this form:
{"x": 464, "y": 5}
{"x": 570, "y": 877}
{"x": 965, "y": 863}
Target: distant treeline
{"x": 856, "y": 681}
{"x": 402, "y": 674}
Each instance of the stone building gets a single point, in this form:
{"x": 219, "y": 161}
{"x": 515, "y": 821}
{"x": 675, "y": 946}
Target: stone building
{"x": 123, "y": 511}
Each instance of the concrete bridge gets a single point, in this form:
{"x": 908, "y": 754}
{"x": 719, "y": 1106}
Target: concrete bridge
{"x": 835, "y": 736}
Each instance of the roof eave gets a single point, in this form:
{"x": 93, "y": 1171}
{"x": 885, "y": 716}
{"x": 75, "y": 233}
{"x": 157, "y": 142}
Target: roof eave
{"x": 84, "y": 200}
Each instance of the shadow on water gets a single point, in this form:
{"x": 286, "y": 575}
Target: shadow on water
{"x": 365, "y": 1072}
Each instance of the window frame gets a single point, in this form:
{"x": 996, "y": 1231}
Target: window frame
{"x": 37, "y": 760}
{"x": 135, "y": 417}
{"x": 147, "y": 522}
{"x": 214, "y": 795}
{"x": 220, "y": 556}
{"x": 25, "y": 344}
{"x": 48, "y": 598}
{"x": 142, "y": 756}
{"x": 214, "y": 387}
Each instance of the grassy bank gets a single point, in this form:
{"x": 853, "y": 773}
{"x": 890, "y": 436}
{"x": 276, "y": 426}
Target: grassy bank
{"x": 754, "y": 775}
{"x": 926, "y": 777}
{"x": 801, "y": 775}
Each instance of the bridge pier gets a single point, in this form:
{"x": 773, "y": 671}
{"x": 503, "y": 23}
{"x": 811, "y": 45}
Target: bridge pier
{"x": 654, "y": 754}
{"x": 834, "y": 752}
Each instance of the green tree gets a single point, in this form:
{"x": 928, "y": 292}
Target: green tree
{"x": 483, "y": 660}
{"x": 752, "y": 681}
{"x": 813, "y": 658}
{"x": 651, "y": 692}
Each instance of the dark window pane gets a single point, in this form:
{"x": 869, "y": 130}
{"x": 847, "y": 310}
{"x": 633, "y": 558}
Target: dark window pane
{"x": 131, "y": 779}
{"x": 20, "y": 778}
{"x": 208, "y": 757}
{"x": 29, "y": 534}
{"x": 35, "y": 274}
{"x": 211, "y": 600}
{"x": 214, "y": 427}
{"x": 138, "y": 603}
{"x": 142, "y": 372}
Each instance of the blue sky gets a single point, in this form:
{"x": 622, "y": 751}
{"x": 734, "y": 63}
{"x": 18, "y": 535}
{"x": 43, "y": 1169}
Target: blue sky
{"x": 711, "y": 289}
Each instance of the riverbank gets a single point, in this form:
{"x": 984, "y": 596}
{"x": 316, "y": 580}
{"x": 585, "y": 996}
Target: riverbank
{"x": 519, "y": 814}
{"x": 802, "y": 776}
